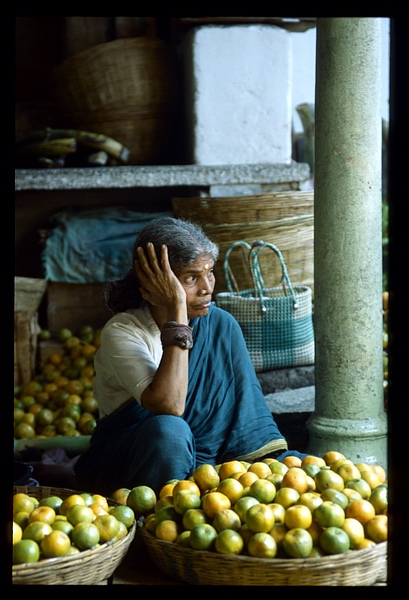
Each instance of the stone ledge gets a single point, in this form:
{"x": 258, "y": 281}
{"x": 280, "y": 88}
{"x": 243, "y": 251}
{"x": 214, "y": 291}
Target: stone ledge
{"x": 301, "y": 400}
{"x": 121, "y": 177}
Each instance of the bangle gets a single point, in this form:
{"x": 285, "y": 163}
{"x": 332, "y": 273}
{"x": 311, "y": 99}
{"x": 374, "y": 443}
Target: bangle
{"x": 176, "y": 334}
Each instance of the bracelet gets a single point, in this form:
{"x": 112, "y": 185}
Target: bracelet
{"x": 176, "y": 334}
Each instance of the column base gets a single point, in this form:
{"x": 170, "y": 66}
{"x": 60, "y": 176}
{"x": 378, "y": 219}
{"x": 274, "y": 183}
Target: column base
{"x": 360, "y": 440}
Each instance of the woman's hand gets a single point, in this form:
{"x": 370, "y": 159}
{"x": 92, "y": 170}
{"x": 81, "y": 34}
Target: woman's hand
{"x": 159, "y": 284}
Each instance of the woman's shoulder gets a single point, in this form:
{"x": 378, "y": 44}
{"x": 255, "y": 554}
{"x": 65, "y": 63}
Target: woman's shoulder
{"x": 132, "y": 319}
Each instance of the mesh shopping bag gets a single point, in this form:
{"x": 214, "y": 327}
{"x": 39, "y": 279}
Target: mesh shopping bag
{"x": 277, "y": 322}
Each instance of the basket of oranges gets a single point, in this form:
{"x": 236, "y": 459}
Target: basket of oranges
{"x": 57, "y": 541}
{"x": 270, "y": 523}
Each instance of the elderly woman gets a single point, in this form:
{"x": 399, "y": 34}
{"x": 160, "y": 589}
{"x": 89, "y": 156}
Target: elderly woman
{"x": 174, "y": 381}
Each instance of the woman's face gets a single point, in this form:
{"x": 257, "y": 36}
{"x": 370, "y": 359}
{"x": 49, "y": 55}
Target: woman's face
{"x": 198, "y": 281}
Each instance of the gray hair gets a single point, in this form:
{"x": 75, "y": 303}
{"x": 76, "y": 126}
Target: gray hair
{"x": 186, "y": 241}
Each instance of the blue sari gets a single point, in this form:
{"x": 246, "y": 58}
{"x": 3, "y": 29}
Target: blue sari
{"x": 225, "y": 418}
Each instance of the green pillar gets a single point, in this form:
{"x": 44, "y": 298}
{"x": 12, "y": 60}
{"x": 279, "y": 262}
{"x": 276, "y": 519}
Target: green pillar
{"x": 349, "y": 411}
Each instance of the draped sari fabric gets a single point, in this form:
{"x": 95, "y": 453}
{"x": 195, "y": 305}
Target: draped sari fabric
{"x": 225, "y": 417}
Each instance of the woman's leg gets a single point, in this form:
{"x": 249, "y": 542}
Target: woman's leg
{"x": 150, "y": 453}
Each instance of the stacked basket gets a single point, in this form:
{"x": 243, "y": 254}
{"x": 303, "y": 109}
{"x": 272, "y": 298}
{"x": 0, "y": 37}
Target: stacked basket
{"x": 286, "y": 219}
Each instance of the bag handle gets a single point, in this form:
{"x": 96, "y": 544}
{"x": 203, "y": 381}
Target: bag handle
{"x": 228, "y": 273}
{"x": 260, "y": 287}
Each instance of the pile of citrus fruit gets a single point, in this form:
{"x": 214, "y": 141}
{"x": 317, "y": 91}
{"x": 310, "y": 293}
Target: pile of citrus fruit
{"x": 54, "y": 527}
{"x": 59, "y": 400}
{"x": 291, "y": 509}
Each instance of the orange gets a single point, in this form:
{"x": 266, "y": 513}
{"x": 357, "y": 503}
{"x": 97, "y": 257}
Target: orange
{"x": 296, "y": 478}
{"x": 64, "y": 526}
{"x": 355, "y": 531}
{"x": 122, "y": 531}
{"x": 165, "y": 513}
{"x": 246, "y": 534}
{"x": 366, "y": 543}
{"x": 292, "y": 461}
{"x": 329, "y": 514}
{"x": 212, "y": 502}
{"x": 360, "y": 509}
{"x": 297, "y": 543}
{"x": 327, "y": 478}
{"x": 230, "y": 467}
{"x": 279, "y": 468}
{"x": 348, "y": 471}
{"x": 22, "y": 503}
{"x": 263, "y": 490}
{"x": 165, "y": 501}
{"x": 229, "y": 541}
{"x": 380, "y": 472}
{"x": 37, "y": 531}
{"x": 298, "y": 516}
{"x": 287, "y": 496}
{"x": 275, "y": 478}
{"x": 279, "y": 512}
{"x": 167, "y": 530}
{"x": 186, "y": 484}
{"x": 183, "y": 539}
{"x": 85, "y": 536}
{"x": 242, "y": 505}
{"x": 32, "y": 388}
{"x": 24, "y": 430}
{"x": 167, "y": 489}
{"x": 232, "y": 488}
{"x": 21, "y": 518}
{"x": 26, "y": 551}
{"x": 311, "y": 469}
{"x": 226, "y": 518}
{"x": 332, "y": 455}
{"x": 312, "y": 486}
{"x": 310, "y": 499}
{"x": 335, "y": 496}
{"x": 194, "y": 516}
{"x": 120, "y": 495}
{"x": 247, "y": 478}
{"x": 57, "y": 543}
{"x": 278, "y": 532}
{"x": 46, "y": 514}
{"x": 53, "y": 501}
{"x": 351, "y": 494}
{"x": 371, "y": 478}
{"x": 185, "y": 499}
{"x": 107, "y": 526}
{"x": 149, "y": 523}
{"x": 17, "y": 532}
{"x": 260, "y": 468}
{"x": 70, "y": 501}
{"x": 123, "y": 514}
{"x": 339, "y": 462}
{"x": 206, "y": 477}
{"x": 379, "y": 499}
{"x": 334, "y": 540}
{"x": 315, "y": 531}
{"x": 100, "y": 500}
{"x": 97, "y": 509}
{"x": 203, "y": 537}
{"x": 376, "y": 529}
{"x": 142, "y": 500}
{"x": 361, "y": 486}
{"x": 80, "y": 514}
{"x": 260, "y": 518}
{"x": 262, "y": 545}
{"x": 310, "y": 459}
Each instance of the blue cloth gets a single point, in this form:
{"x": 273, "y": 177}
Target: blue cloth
{"x": 226, "y": 417}
{"x": 93, "y": 245}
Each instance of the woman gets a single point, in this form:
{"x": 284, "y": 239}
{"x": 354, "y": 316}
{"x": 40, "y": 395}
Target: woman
{"x": 174, "y": 381}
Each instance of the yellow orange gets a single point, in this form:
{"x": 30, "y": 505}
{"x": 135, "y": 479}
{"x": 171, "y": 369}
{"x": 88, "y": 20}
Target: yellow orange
{"x": 360, "y": 509}
{"x": 262, "y": 545}
{"x": 107, "y": 526}
{"x": 261, "y": 469}
{"x": 226, "y": 518}
{"x": 298, "y": 515}
{"x": 331, "y": 455}
{"x": 263, "y": 490}
{"x": 348, "y": 471}
{"x": 247, "y": 478}
{"x": 355, "y": 531}
{"x": 260, "y": 518}
{"x": 212, "y": 502}
{"x": 186, "y": 484}
{"x": 167, "y": 489}
{"x": 232, "y": 488}
{"x": 310, "y": 459}
{"x": 120, "y": 495}
{"x": 167, "y": 530}
{"x": 57, "y": 543}
{"x": 229, "y": 541}
{"x": 206, "y": 477}
{"x": 371, "y": 478}
{"x": 46, "y": 514}
{"x": 70, "y": 501}
{"x": 376, "y": 529}
{"x": 292, "y": 461}
{"x": 230, "y": 467}
{"x": 296, "y": 478}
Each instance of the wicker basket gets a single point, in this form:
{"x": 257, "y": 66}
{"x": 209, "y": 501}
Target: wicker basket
{"x": 285, "y": 219}
{"x": 90, "y": 567}
{"x": 360, "y": 568}
{"x": 127, "y": 89}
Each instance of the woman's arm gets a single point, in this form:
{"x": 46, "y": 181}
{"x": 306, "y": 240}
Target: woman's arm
{"x": 163, "y": 291}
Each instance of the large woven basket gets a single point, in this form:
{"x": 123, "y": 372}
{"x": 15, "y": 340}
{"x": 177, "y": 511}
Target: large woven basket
{"x": 196, "y": 567}
{"x": 127, "y": 89}
{"x": 285, "y": 219}
{"x": 90, "y": 567}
